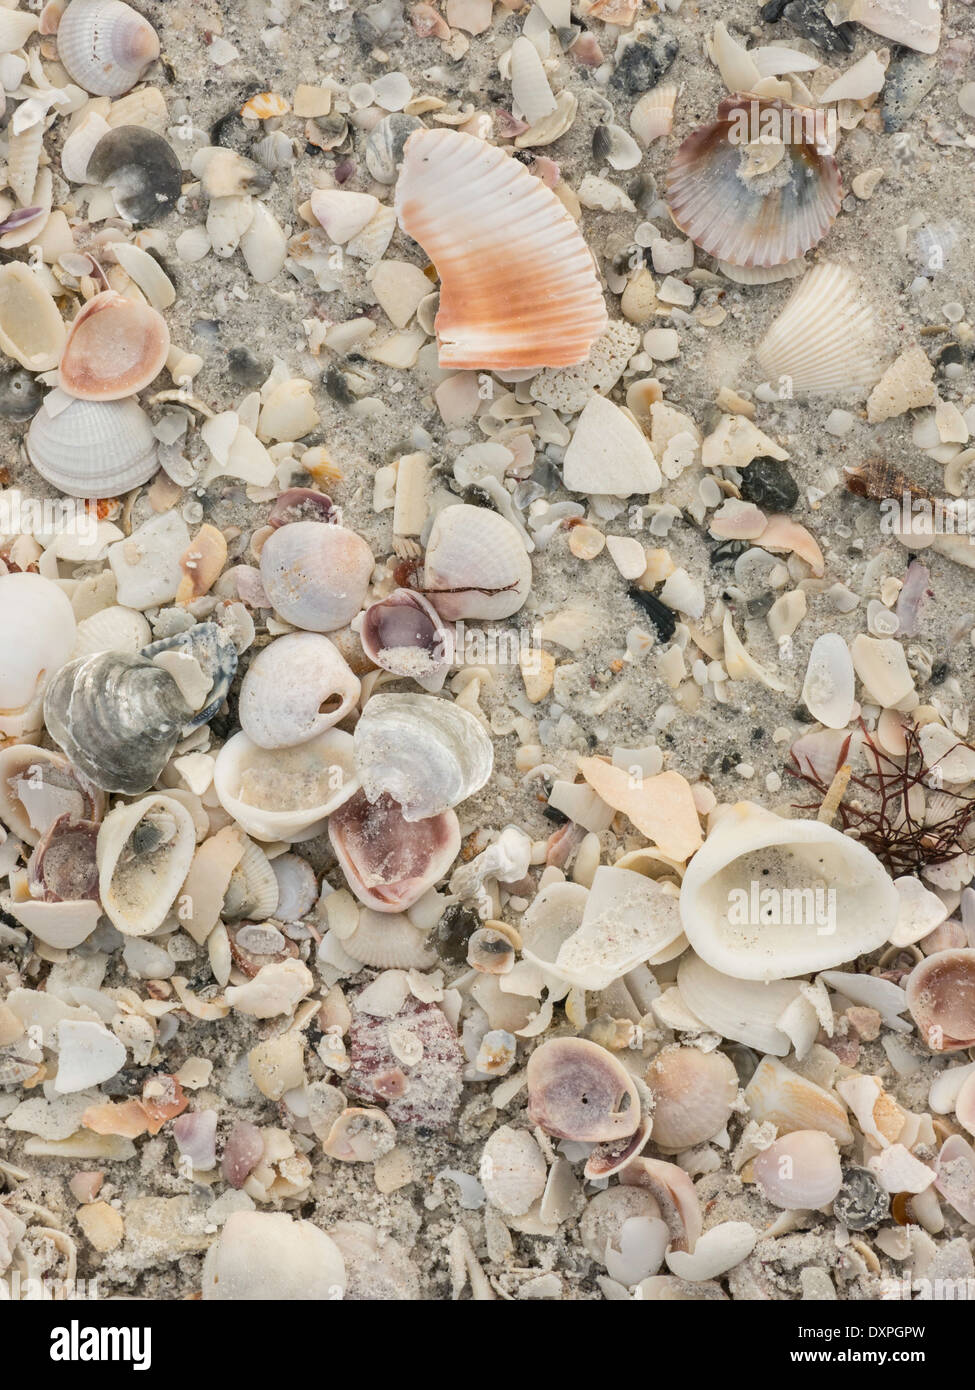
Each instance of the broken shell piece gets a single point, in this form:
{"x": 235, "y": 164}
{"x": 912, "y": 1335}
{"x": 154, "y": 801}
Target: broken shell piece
{"x": 377, "y": 1267}
{"x": 767, "y": 898}
{"x": 824, "y": 341}
{"x": 747, "y": 1011}
{"x": 144, "y": 854}
{"x": 93, "y": 449}
{"x": 476, "y": 564}
{"x": 941, "y": 998}
{"x": 782, "y": 1097}
{"x": 694, "y": 1093}
{"x": 295, "y": 688}
{"x": 38, "y": 787}
{"x": 31, "y": 328}
{"x": 105, "y": 45}
{"x": 115, "y": 347}
{"x": 425, "y": 753}
{"x": 628, "y": 919}
{"x": 609, "y": 454}
{"x": 827, "y": 691}
{"x": 907, "y": 384}
{"x": 315, "y": 574}
{"x": 271, "y": 1255}
{"x": 360, "y": 1135}
{"x": 578, "y": 1090}
{"x": 37, "y": 636}
{"x": 342, "y": 212}
{"x": 388, "y": 861}
{"x": 799, "y": 1171}
{"x": 719, "y": 1249}
{"x": 88, "y": 1054}
{"x": 653, "y": 114}
{"x": 512, "y": 1171}
{"x": 661, "y": 807}
{"x": 914, "y": 23}
{"x": 403, "y": 634}
{"x": 518, "y": 285}
{"x": 761, "y": 221}
{"x": 675, "y": 1196}
{"x": 285, "y": 793}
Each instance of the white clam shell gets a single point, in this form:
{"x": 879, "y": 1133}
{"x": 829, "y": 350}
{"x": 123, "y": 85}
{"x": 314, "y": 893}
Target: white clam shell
{"x": 827, "y": 691}
{"x": 387, "y": 941}
{"x": 93, "y": 448}
{"x": 513, "y": 1170}
{"x": 138, "y": 883}
{"x": 261, "y": 1255}
{"x": 426, "y": 753}
{"x": 296, "y": 688}
{"x": 105, "y": 45}
{"x": 114, "y": 629}
{"x": 824, "y": 340}
{"x": 284, "y": 794}
{"x": 767, "y": 898}
{"x": 472, "y": 550}
{"x": 799, "y": 1171}
{"x": 316, "y": 574}
{"x": 31, "y": 327}
{"x": 694, "y": 1093}
{"x": 21, "y": 800}
{"x": 609, "y": 453}
{"x": 37, "y": 636}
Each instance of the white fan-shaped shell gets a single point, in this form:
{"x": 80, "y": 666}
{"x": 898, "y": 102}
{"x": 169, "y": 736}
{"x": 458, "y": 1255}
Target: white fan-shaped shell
{"x": 389, "y": 941}
{"x": 316, "y": 574}
{"x": 114, "y": 629}
{"x": 284, "y": 793}
{"x": 824, "y": 340}
{"x": 653, "y": 114}
{"x": 295, "y": 688}
{"x": 253, "y": 891}
{"x": 137, "y": 889}
{"x": 105, "y": 45}
{"x": 37, "y": 635}
{"x": 424, "y": 752}
{"x": 827, "y": 691}
{"x": 93, "y": 448}
{"x": 474, "y": 549}
{"x": 746, "y": 1011}
{"x": 750, "y": 853}
{"x": 517, "y": 283}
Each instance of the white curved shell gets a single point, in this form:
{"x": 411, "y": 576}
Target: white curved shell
{"x": 284, "y": 794}
{"x": 93, "y": 448}
{"x": 105, "y": 45}
{"x": 747, "y": 1011}
{"x": 296, "y": 688}
{"x": 144, "y": 853}
{"x": 799, "y": 1171}
{"x": 474, "y": 550}
{"x": 114, "y": 629}
{"x": 424, "y": 752}
{"x": 824, "y": 340}
{"x": 270, "y": 1255}
{"x": 767, "y": 898}
{"x": 37, "y": 636}
{"x": 389, "y": 941}
{"x": 513, "y": 1170}
{"x": 31, "y": 327}
{"x": 253, "y": 890}
{"x": 828, "y": 689}
{"x": 316, "y": 574}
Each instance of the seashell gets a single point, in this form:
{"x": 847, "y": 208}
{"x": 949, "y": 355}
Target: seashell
{"x": 914, "y": 23}
{"x": 694, "y": 1093}
{"x": 253, "y": 889}
{"x": 206, "y": 681}
{"x": 297, "y": 887}
{"x": 147, "y": 273}
{"x": 653, "y": 114}
{"x": 609, "y": 454}
{"x": 38, "y": 787}
{"x": 423, "y": 1092}
{"x": 389, "y": 862}
{"x": 275, "y": 152}
{"x": 37, "y": 635}
{"x": 578, "y": 1090}
{"x": 490, "y": 951}
{"x": 402, "y": 633}
{"x": 144, "y": 854}
{"x": 761, "y": 221}
{"x": 628, "y": 919}
{"x": 141, "y": 169}
{"x": 824, "y": 340}
{"x": 343, "y": 213}
{"x": 607, "y": 1214}
{"x": 767, "y": 898}
{"x": 377, "y": 1267}
{"x": 827, "y": 690}
{"x": 386, "y": 143}
{"x": 23, "y": 160}
{"x": 105, "y": 46}
{"x": 301, "y": 504}
{"x": 63, "y": 866}
{"x": 476, "y": 565}
{"x": 315, "y": 575}
{"x": 284, "y": 794}
{"x": 92, "y": 449}
{"x": 746, "y": 1011}
{"x": 800, "y": 1171}
{"x": 20, "y": 394}
{"x": 941, "y": 998}
{"x": 61, "y": 925}
{"x": 512, "y": 1170}
{"x": 518, "y": 286}
{"x": 118, "y": 717}
{"x": 782, "y": 1097}
{"x": 295, "y": 688}
{"x": 387, "y": 941}
{"x": 426, "y": 754}
{"x": 269, "y": 1254}
{"x": 145, "y": 107}
{"x": 675, "y": 1195}
{"x": 531, "y": 94}
{"x": 360, "y": 1136}
{"x": 264, "y": 245}
{"x": 79, "y": 146}
{"x": 224, "y": 173}
{"x": 115, "y": 347}
{"x": 16, "y": 27}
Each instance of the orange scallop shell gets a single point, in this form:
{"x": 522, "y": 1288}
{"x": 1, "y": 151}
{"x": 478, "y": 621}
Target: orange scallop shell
{"x": 115, "y": 347}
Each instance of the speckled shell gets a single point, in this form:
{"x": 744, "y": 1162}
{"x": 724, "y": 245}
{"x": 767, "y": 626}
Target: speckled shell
{"x": 105, "y": 45}
{"x": 316, "y": 574}
{"x": 93, "y": 448}
{"x": 517, "y": 283}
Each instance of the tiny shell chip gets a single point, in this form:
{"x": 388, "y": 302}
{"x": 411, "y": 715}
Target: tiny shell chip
{"x": 578, "y": 1090}
{"x": 115, "y": 347}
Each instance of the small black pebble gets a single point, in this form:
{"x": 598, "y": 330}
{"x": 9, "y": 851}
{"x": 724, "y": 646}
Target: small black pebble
{"x": 644, "y": 63}
{"x": 728, "y": 551}
{"x": 939, "y": 672}
{"x": 337, "y": 387}
{"x": 729, "y": 762}
{"x": 247, "y": 369}
{"x": 20, "y": 395}
{"x": 809, "y": 17}
{"x": 758, "y": 607}
{"x": 556, "y": 816}
{"x": 769, "y": 484}
{"x": 663, "y": 618}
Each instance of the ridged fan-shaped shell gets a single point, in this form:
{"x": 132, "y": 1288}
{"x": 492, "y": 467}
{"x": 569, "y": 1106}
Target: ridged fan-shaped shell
{"x": 476, "y": 564}
{"x": 316, "y": 574}
{"x": 105, "y": 45}
{"x": 253, "y": 889}
{"x": 93, "y": 448}
{"x": 824, "y": 340}
{"x": 517, "y": 283}
{"x": 388, "y": 941}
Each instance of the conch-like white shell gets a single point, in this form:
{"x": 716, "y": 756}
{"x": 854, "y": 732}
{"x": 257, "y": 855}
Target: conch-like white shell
{"x": 476, "y": 564}
{"x": 269, "y": 1254}
{"x": 115, "y": 347}
{"x": 92, "y": 448}
{"x": 37, "y": 635}
{"x": 144, "y": 853}
{"x": 767, "y": 898}
{"x": 824, "y": 340}
{"x": 426, "y": 753}
{"x": 316, "y": 574}
{"x": 285, "y": 793}
{"x": 389, "y": 862}
{"x": 762, "y": 220}
{"x": 296, "y": 688}
{"x": 105, "y": 45}
{"x": 31, "y": 327}
{"x": 517, "y": 283}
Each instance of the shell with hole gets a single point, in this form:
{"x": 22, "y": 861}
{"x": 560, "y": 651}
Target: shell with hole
{"x": 476, "y": 564}
{"x": 38, "y": 786}
{"x": 92, "y": 448}
{"x": 755, "y": 212}
{"x": 295, "y": 688}
{"x": 388, "y": 861}
{"x": 518, "y": 286}
{"x": 767, "y": 898}
{"x": 578, "y": 1090}
{"x": 316, "y": 574}
{"x": 32, "y": 330}
{"x": 824, "y": 342}
{"x": 426, "y": 753}
{"x": 105, "y": 45}
{"x": 285, "y": 793}
{"x": 37, "y": 636}
{"x": 115, "y": 347}
{"x": 144, "y": 853}
{"x": 402, "y": 633}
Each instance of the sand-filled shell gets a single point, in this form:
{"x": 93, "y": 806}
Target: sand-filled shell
{"x": 388, "y": 861}
{"x": 315, "y": 574}
{"x": 941, "y": 998}
{"x": 105, "y": 45}
{"x": 403, "y": 634}
{"x": 767, "y": 898}
{"x": 755, "y": 220}
{"x": 476, "y": 564}
{"x": 118, "y": 717}
{"x": 38, "y": 787}
{"x": 115, "y": 347}
{"x": 578, "y": 1090}
{"x": 426, "y": 753}
{"x": 824, "y": 342}
{"x": 144, "y": 854}
{"x": 799, "y": 1171}
{"x": 284, "y": 793}
{"x": 141, "y": 169}
{"x": 693, "y": 1092}
{"x": 92, "y": 448}
{"x": 271, "y": 1255}
{"x": 31, "y": 327}
{"x": 517, "y": 283}
{"x": 37, "y": 636}
{"x": 295, "y": 688}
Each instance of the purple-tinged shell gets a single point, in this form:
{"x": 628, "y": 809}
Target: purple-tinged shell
{"x": 63, "y": 867}
{"x": 426, "y": 1093}
{"x": 302, "y": 504}
{"x": 403, "y": 633}
{"x": 390, "y": 862}
{"x": 578, "y": 1090}
{"x": 242, "y": 1153}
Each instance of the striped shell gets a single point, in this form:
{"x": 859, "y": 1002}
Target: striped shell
{"x": 759, "y": 223}
{"x": 93, "y": 448}
{"x": 105, "y": 45}
{"x": 518, "y": 286}
{"x": 824, "y": 340}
